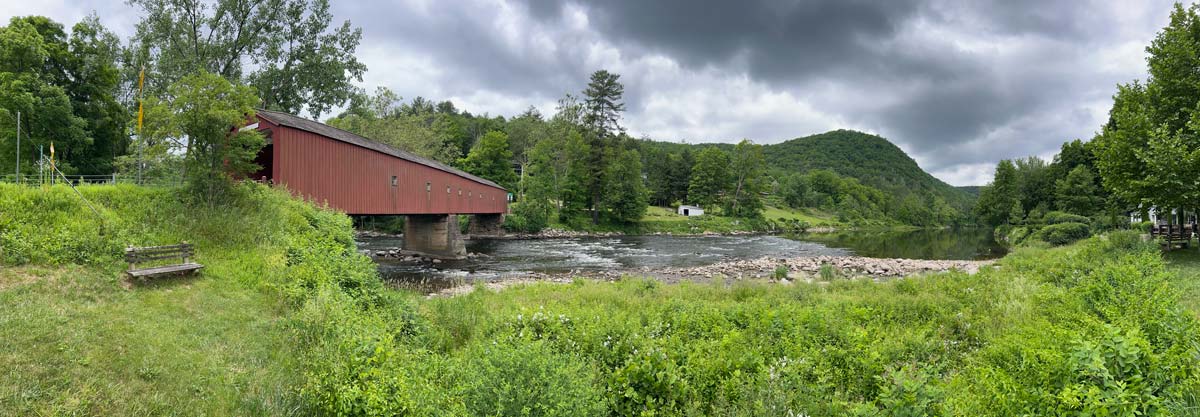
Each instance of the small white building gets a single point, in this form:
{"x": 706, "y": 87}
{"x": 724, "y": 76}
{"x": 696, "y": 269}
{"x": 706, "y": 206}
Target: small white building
{"x": 690, "y": 211}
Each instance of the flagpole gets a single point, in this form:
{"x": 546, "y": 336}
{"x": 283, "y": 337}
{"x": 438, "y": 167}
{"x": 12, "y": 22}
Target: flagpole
{"x": 18, "y": 177}
{"x": 141, "y": 140}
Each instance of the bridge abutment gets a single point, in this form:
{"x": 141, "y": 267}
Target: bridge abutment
{"x": 434, "y": 234}
{"x": 486, "y": 225}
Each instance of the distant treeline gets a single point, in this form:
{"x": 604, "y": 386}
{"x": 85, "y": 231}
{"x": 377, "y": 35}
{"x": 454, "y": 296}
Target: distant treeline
{"x": 84, "y": 90}
{"x": 1146, "y": 156}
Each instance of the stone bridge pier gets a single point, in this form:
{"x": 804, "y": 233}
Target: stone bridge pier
{"x": 436, "y": 235}
{"x": 486, "y": 225}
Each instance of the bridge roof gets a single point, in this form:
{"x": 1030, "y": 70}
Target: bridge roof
{"x": 296, "y": 122}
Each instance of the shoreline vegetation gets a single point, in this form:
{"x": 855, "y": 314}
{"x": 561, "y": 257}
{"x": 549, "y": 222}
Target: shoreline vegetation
{"x": 664, "y": 221}
{"x": 289, "y": 318}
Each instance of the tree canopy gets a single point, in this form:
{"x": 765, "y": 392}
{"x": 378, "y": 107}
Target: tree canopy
{"x": 65, "y": 89}
{"x": 286, "y": 49}
{"x": 1148, "y": 153}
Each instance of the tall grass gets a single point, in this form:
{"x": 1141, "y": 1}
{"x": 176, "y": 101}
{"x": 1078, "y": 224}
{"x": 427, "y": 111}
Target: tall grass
{"x": 1083, "y": 329}
{"x": 289, "y": 319}
{"x": 79, "y": 338}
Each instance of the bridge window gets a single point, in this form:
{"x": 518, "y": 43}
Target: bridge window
{"x": 460, "y": 192}
{"x": 447, "y": 189}
{"x": 394, "y": 181}
{"x": 428, "y": 186}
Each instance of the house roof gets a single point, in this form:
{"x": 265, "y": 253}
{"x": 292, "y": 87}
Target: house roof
{"x": 296, "y": 122}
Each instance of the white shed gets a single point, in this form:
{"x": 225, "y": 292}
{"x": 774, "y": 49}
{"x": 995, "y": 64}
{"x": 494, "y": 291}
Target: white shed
{"x": 690, "y": 211}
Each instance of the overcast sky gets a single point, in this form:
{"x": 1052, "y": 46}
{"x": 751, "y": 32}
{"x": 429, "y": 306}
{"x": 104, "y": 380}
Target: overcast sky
{"x": 958, "y": 85}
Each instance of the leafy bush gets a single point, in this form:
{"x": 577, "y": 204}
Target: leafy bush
{"x": 1064, "y": 233}
{"x": 1058, "y": 217}
{"x": 780, "y": 272}
{"x": 1143, "y": 227}
{"x": 530, "y": 216}
{"x": 521, "y": 378}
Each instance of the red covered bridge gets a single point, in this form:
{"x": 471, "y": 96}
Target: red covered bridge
{"x": 360, "y": 176}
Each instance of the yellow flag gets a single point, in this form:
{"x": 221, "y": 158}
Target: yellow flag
{"x": 51, "y": 152}
{"x": 141, "y": 80}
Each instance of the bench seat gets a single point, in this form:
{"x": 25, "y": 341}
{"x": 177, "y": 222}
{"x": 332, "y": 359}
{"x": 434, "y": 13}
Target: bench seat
{"x": 138, "y": 273}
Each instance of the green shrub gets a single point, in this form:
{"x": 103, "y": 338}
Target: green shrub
{"x": 1064, "y": 233}
{"x": 780, "y": 272}
{"x": 1058, "y": 217}
{"x": 527, "y": 378}
{"x": 1143, "y": 227}
{"x": 827, "y": 272}
{"x": 530, "y": 216}
{"x": 909, "y": 392}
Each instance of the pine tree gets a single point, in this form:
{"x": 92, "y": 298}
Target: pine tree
{"x": 602, "y": 109}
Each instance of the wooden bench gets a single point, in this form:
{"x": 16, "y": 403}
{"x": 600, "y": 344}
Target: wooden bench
{"x": 1174, "y": 234}
{"x": 136, "y": 255}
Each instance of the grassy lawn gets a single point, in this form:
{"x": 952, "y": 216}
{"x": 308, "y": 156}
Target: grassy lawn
{"x": 813, "y": 217}
{"x": 1185, "y": 264}
{"x": 666, "y": 220}
{"x": 78, "y": 341}
{"x": 668, "y": 214}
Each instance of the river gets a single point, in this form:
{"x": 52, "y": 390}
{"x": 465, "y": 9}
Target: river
{"x": 503, "y": 258}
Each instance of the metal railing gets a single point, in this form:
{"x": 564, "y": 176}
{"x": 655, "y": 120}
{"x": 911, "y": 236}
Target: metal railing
{"x": 46, "y": 179}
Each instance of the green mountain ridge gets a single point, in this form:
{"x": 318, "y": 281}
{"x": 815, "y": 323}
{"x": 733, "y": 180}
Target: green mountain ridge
{"x": 871, "y": 159}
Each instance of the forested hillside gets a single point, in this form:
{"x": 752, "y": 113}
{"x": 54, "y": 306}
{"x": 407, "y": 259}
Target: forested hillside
{"x": 862, "y": 178}
{"x": 873, "y": 160}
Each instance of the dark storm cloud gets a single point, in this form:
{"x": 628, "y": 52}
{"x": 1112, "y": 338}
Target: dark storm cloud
{"x": 779, "y": 40}
{"x": 465, "y": 42}
{"x": 958, "y": 84}
{"x": 943, "y": 92}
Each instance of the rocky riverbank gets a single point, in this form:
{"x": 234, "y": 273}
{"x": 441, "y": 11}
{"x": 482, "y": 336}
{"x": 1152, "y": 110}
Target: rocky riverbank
{"x": 806, "y": 269}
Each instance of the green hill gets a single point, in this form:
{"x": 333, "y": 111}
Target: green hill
{"x": 871, "y": 159}
{"x": 903, "y": 192}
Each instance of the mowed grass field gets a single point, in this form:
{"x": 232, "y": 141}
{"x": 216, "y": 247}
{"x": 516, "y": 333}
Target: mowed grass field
{"x": 1184, "y": 264}
{"x": 82, "y": 341}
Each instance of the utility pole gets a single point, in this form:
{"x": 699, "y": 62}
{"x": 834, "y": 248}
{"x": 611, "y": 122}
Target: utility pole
{"x": 141, "y": 140}
{"x": 18, "y": 169}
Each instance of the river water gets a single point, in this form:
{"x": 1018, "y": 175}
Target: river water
{"x": 504, "y": 258}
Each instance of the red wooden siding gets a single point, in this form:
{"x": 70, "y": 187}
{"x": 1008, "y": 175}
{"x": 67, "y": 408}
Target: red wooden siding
{"x": 358, "y": 180}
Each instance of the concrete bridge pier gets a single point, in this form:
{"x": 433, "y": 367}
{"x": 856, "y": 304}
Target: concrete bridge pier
{"x": 436, "y": 235}
{"x": 486, "y": 225}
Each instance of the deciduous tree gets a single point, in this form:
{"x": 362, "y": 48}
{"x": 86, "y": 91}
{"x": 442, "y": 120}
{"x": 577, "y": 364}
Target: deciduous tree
{"x": 203, "y": 115}
{"x": 745, "y": 199}
{"x": 287, "y": 49}
{"x": 491, "y": 159}
{"x": 710, "y": 178}
{"x": 626, "y": 197}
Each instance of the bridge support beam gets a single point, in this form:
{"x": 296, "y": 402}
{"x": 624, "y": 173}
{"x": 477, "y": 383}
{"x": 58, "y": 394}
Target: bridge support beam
{"x": 436, "y": 235}
{"x": 486, "y": 225}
